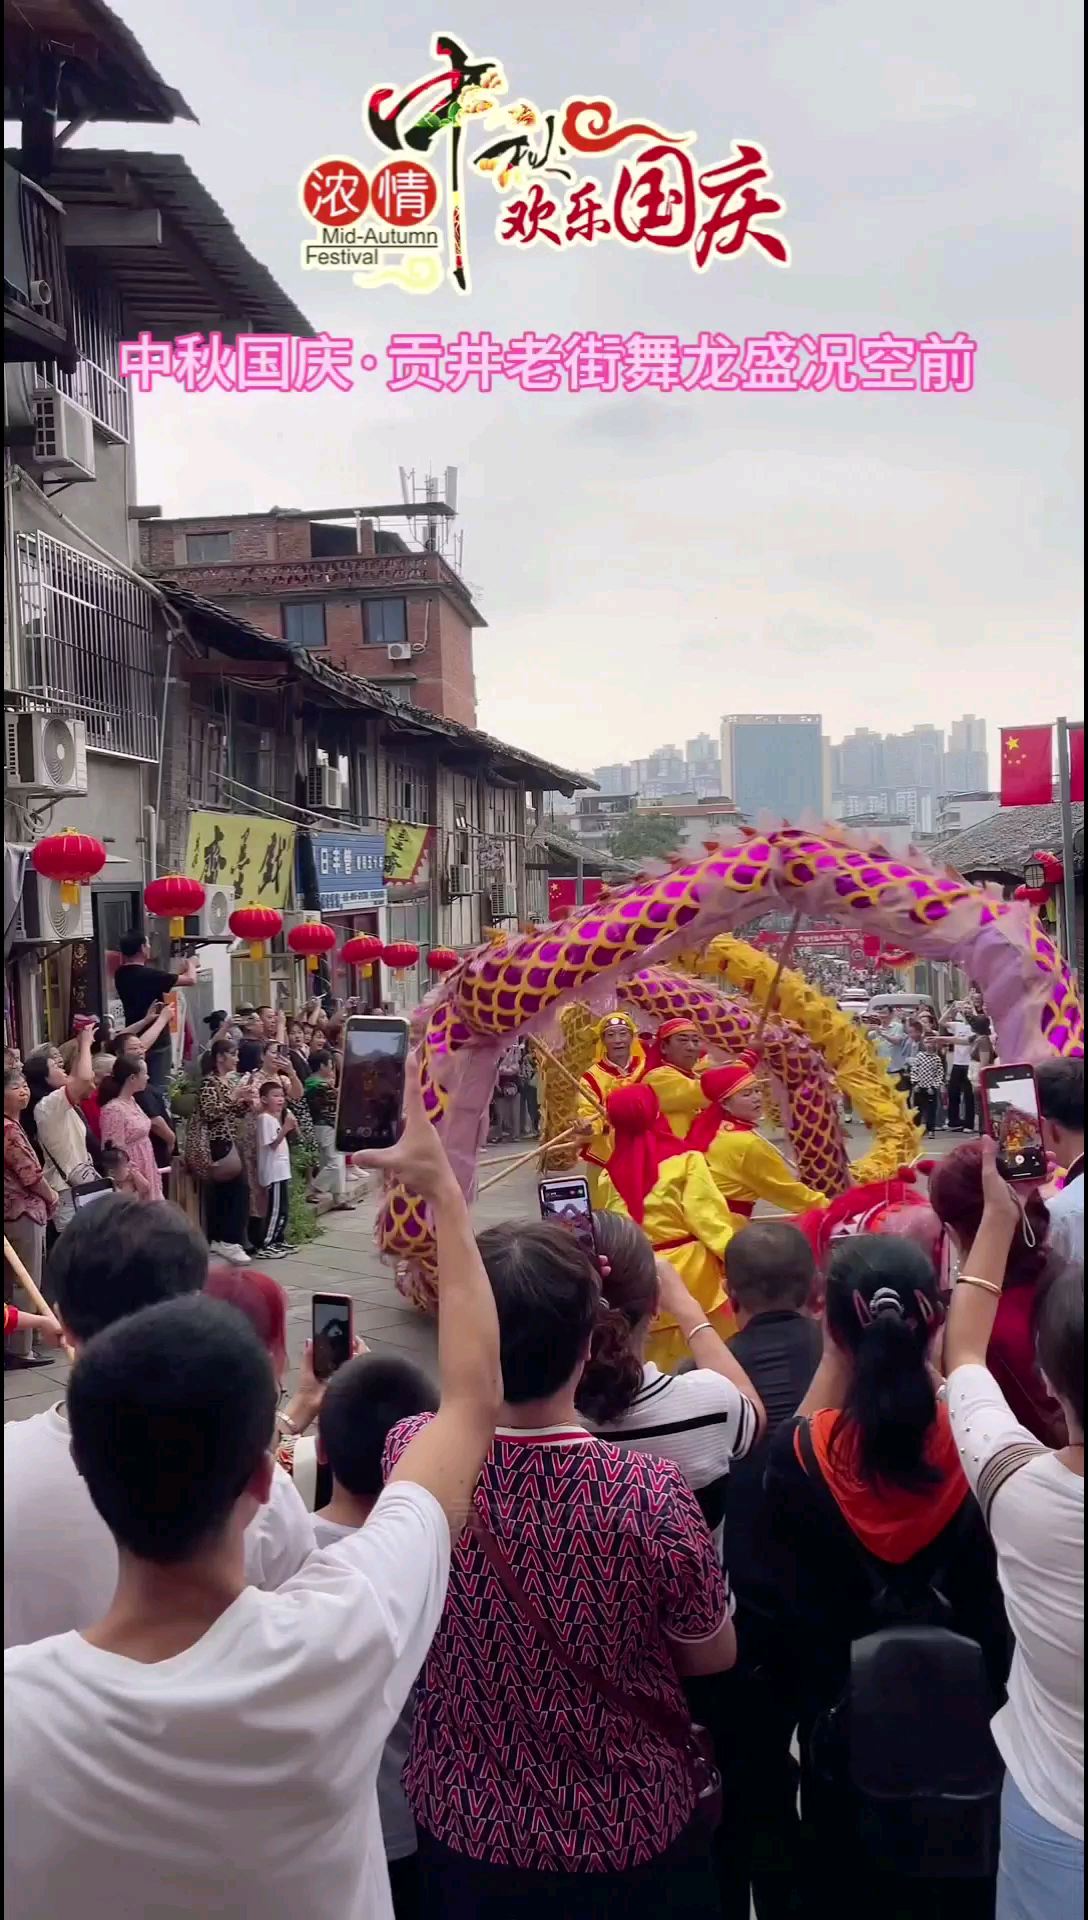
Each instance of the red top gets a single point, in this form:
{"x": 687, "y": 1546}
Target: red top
{"x": 514, "y": 1760}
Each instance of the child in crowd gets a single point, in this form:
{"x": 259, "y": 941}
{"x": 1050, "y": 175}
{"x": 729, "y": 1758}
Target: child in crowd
{"x": 274, "y": 1128}
{"x": 927, "y": 1081}
{"x": 362, "y": 1404}
{"x": 118, "y": 1169}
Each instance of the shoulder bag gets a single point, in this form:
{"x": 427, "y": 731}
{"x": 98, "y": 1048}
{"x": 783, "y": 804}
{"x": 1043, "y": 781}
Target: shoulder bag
{"x": 692, "y": 1742}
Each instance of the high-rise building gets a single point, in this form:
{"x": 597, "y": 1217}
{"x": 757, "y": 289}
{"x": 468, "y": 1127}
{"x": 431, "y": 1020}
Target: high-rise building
{"x": 773, "y": 762}
{"x": 967, "y": 762}
{"x": 704, "y": 767}
{"x": 617, "y": 778}
{"x": 859, "y": 761}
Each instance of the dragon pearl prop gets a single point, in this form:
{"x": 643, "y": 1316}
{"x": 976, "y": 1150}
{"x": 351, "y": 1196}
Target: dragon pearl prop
{"x": 519, "y": 984}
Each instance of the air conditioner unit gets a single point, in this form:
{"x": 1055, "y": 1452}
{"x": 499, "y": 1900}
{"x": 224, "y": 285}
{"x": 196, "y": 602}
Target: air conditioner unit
{"x": 398, "y": 651}
{"x": 324, "y": 788}
{"x": 461, "y": 880}
{"x": 63, "y": 436}
{"x": 211, "y": 922}
{"x": 505, "y": 903}
{"x": 45, "y": 753}
{"x": 42, "y": 914}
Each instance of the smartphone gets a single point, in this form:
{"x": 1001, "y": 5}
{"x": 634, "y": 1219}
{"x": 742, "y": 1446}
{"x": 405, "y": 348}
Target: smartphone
{"x": 332, "y": 1332}
{"x": 1012, "y": 1118}
{"x": 565, "y": 1202}
{"x": 370, "y": 1112}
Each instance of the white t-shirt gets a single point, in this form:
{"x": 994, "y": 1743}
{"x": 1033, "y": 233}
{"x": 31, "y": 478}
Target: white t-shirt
{"x": 398, "y": 1827}
{"x": 698, "y": 1420}
{"x": 963, "y": 1035}
{"x": 1037, "y": 1524}
{"x": 60, "y": 1563}
{"x": 274, "y": 1163}
{"x": 1066, "y": 1212}
{"x": 62, "y": 1136}
{"x": 235, "y": 1781}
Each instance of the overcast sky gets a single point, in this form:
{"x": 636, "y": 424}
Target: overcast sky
{"x": 647, "y": 563}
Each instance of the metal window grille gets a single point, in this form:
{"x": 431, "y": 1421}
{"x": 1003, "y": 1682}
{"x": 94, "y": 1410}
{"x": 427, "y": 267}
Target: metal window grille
{"x": 93, "y": 383}
{"x": 86, "y": 636}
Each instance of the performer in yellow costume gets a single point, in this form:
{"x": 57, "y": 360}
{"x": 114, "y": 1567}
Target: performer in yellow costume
{"x": 672, "y": 1067}
{"x": 668, "y": 1191}
{"x": 617, "y": 1061}
{"x": 743, "y": 1165}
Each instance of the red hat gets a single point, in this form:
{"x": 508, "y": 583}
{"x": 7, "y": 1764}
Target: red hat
{"x": 643, "y": 1140}
{"x": 721, "y": 1083}
{"x": 665, "y": 1032}
{"x": 860, "y": 1210}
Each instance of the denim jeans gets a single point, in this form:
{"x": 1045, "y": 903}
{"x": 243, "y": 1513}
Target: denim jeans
{"x": 1041, "y": 1875}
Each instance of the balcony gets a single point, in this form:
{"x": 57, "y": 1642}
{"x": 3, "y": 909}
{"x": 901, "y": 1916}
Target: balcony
{"x": 84, "y": 644}
{"x": 356, "y": 572}
{"x": 37, "y": 294}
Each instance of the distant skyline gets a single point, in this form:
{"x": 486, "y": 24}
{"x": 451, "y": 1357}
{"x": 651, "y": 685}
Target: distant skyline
{"x": 964, "y": 734}
{"x": 642, "y": 558}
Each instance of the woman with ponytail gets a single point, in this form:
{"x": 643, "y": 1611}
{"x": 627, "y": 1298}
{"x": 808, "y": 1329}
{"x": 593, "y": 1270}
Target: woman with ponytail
{"x": 702, "y": 1419}
{"x": 871, "y": 1513}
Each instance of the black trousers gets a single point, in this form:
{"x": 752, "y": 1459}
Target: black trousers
{"x": 961, "y": 1099}
{"x": 752, "y": 1712}
{"x": 926, "y": 1102}
{"x": 404, "y": 1887}
{"x": 679, "y": 1884}
{"x": 228, "y": 1202}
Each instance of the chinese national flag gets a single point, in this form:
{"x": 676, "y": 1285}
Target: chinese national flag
{"x": 1076, "y": 764}
{"x": 1025, "y": 766}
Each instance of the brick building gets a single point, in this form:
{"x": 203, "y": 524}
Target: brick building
{"x": 341, "y": 584}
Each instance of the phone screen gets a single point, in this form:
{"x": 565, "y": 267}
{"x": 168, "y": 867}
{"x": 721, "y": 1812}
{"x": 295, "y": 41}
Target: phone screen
{"x": 566, "y": 1204}
{"x": 1014, "y": 1121}
{"x": 331, "y": 1333}
{"x": 370, "y": 1112}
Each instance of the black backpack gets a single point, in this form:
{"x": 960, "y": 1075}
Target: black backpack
{"x": 907, "y": 1747}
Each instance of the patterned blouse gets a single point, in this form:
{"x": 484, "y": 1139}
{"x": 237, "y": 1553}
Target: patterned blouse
{"x": 514, "y": 1760}
{"x": 22, "y": 1172}
{"x": 216, "y": 1106}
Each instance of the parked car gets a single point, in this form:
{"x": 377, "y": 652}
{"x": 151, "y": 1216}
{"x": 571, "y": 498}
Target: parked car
{"x": 903, "y": 1003}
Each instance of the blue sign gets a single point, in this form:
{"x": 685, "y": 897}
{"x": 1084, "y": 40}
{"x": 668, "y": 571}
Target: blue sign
{"x": 350, "y": 869}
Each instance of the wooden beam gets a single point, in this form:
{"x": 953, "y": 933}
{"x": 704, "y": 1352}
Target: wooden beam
{"x": 112, "y": 227}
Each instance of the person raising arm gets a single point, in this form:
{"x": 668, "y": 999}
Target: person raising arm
{"x": 447, "y": 1455}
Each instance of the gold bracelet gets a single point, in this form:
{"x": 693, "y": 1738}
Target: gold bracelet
{"x": 973, "y": 1280}
{"x": 704, "y": 1326}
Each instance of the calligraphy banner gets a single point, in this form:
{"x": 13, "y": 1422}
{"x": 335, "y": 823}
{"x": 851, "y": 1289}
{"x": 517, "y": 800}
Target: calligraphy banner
{"x": 405, "y": 847}
{"x": 256, "y": 857}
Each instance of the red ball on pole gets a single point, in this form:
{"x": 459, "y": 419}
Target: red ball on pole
{"x": 173, "y": 897}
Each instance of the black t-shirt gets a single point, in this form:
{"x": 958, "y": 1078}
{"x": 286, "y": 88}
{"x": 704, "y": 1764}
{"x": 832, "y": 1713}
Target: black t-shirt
{"x": 779, "y": 1352}
{"x": 157, "y": 1107}
{"x": 138, "y": 988}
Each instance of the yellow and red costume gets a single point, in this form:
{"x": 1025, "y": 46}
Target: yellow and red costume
{"x": 679, "y": 1094}
{"x": 668, "y": 1191}
{"x": 743, "y": 1165}
{"x": 595, "y": 1085}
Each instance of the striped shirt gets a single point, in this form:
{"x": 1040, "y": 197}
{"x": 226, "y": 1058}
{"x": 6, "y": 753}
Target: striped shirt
{"x": 698, "y": 1420}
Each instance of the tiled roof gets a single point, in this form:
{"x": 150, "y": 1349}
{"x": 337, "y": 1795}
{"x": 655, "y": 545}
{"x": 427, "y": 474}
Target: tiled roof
{"x": 1006, "y": 840}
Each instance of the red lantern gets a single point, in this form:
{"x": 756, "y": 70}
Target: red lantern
{"x": 400, "y": 956}
{"x": 172, "y": 898}
{"x": 870, "y": 946}
{"x": 256, "y": 924}
{"x": 310, "y": 938}
{"x": 361, "y": 951}
{"x": 70, "y": 857}
{"x": 441, "y": 960}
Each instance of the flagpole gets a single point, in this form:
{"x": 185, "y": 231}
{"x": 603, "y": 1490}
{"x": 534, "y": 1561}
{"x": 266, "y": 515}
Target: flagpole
{"x": 1065, "y": 808}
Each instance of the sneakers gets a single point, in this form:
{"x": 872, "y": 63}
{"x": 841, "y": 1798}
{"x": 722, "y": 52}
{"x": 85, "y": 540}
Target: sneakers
{"x": 273, "y": 1253}
{"x": 229, "y": 1250}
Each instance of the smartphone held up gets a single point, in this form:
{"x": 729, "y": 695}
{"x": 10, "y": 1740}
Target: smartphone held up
{"x": 371, "y": 1106}
{"x": 332, "y": 1332}
{"x": 565, "y": 1202}
{"x": 1014, "y": 1121}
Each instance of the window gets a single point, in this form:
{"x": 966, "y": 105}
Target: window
{"x": 304, "y": 623}
{"x": 400, "y": 690}
{"x": 98, "y": 332}
{"x": 202, "y": 548}
{"x": 385, "y": 623}
{"x": 87, "y": 644}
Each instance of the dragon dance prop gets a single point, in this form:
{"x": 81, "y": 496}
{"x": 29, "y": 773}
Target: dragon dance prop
{"x": 629, "y": 945}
